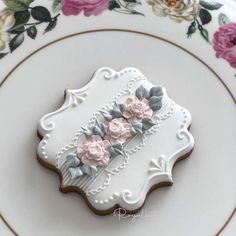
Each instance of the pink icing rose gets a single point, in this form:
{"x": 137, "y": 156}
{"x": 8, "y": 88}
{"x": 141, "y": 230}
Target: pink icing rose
{"x": 118, "y": 130}
{"x": 90, "y": 7}
{"x": 135, "y": 109}
{"x": 95, "y": 151}
{"x": 224, "y": 43}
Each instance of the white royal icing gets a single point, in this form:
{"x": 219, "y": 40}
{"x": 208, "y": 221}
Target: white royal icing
{"x": 147, "y": 161}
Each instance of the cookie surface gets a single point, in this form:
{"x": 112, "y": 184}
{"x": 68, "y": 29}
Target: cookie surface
{"x": 115, "y": 139}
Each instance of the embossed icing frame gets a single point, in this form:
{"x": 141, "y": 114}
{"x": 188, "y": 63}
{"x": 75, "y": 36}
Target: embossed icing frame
{"x": 153, "y": 152}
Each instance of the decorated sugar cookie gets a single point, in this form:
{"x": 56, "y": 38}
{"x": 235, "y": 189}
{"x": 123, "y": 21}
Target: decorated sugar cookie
{"x": 115, "y": 140}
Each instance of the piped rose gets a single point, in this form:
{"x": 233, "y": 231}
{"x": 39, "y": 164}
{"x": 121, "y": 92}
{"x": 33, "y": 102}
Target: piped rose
{"x": 118, "y": 130}
{"x": 95, "y": 151}
{"x": 135, "y": 109}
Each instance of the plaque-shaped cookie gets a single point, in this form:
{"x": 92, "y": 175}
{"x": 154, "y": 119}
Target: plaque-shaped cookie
{"x": 115, "y": 140}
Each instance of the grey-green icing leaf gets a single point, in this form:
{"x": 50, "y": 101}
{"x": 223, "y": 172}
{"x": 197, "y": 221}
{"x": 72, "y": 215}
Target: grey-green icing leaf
{"x": 147, "y": 123}
{"x": 141, "y": 93}
{"x": 116, "y": 149}
{"x": 103, "y": 127}
{"x": 117, "y": 110}
{"x": 98, "y": 124}
{"x": 223, "y": 19}
{"x": 156, "y": 91}
{"x": 155, "y": 103}
{"x": 107, "y": 114}
{"x": 137, "y": 128}
{"x": 116, "y": 114}
{"x": 98, "y": 128}
{"x": 118, "y": 146}
{"x": 121, "y": 107}
{"x": 87, "y": 131}
{"x": 98, "y": 131}
{"x": 113, "y": 153}
{"x": 72, "y": 160}
{"x": 93, "y": 170}
{"x": 86, "y": 169}
{"x": 75, "y": 172}
{"x": 89, "y": 170}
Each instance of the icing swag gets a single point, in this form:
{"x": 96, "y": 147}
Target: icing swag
{"x": 119, "y": 124}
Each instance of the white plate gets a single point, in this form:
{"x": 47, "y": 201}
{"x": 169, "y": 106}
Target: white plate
{"x": 203, "y": 195}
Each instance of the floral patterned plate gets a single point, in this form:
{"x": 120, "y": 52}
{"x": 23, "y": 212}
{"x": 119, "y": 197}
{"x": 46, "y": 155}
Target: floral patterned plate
{"x": 186, "y": 45}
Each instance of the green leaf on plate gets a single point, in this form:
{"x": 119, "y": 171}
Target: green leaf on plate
{"x": 204, "y": 33}
{"x": 113, "y": 4}
{"x": 17, "y": 29}
{"x": 210, "y": 4}
{"x": 41, "y": 14}
{"x": 51, "y": 25}
{"x": 56, "y": 6}
{"x": 205, "y": 16}
{"x": 16, "y": 41}
{"x": 191, "y": 29}
{"x": 3, "y": 55}
{"x": 223, "y": 19}
{"x": 32, "y": 32}
{"x": 17, "y": 5}
{"x": 21, "y": 17}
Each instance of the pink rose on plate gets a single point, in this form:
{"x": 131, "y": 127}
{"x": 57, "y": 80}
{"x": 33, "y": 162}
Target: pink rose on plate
{"x": 90, "y": 7}
{"x": 118, "y": 130}
{"x": 95, "y": 151}
{"x": 135, "y": 109}
{"x": 224, "y": 43}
